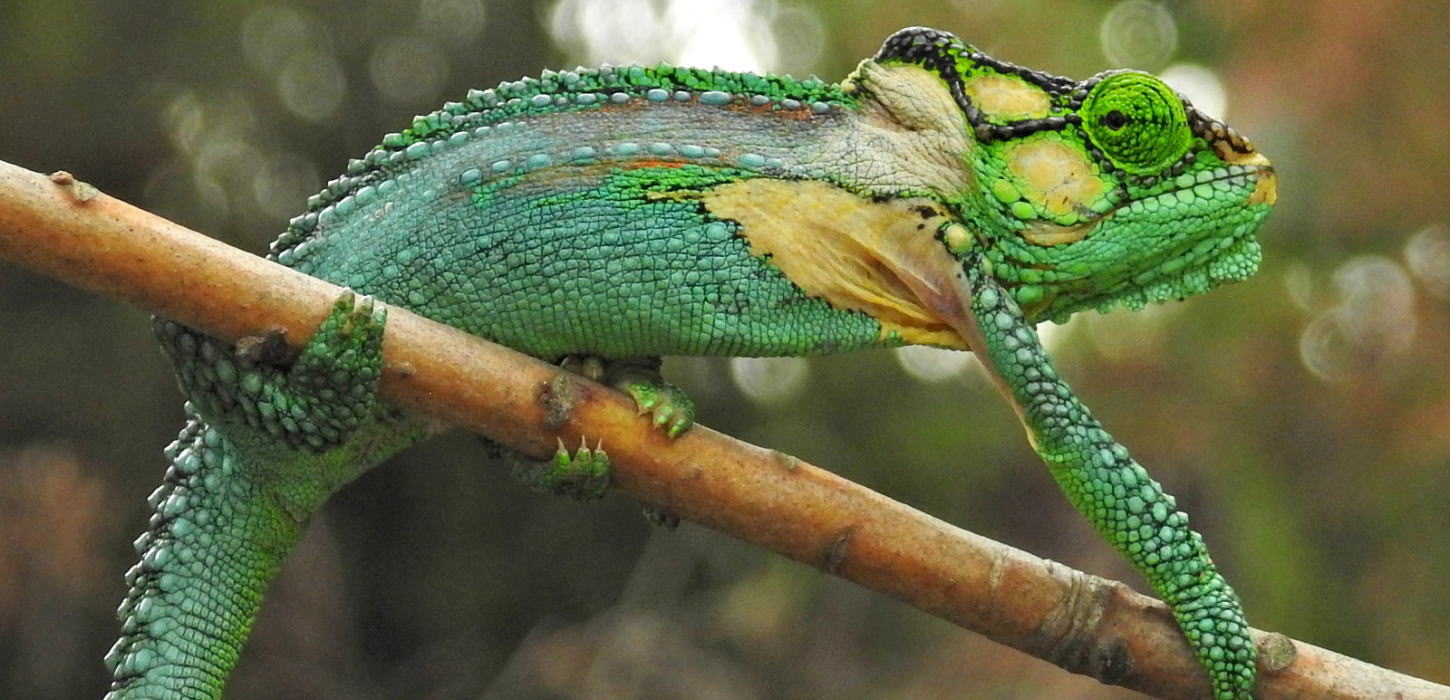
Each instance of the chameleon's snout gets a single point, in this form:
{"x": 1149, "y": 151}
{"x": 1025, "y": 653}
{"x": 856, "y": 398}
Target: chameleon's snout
{"x": 1235, "y": 149}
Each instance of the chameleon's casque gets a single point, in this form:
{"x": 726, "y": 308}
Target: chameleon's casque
{"x": 936, "y": 196}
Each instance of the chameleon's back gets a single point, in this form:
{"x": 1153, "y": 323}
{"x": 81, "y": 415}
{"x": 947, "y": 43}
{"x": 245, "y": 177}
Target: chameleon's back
{"x": 579, "y": 226}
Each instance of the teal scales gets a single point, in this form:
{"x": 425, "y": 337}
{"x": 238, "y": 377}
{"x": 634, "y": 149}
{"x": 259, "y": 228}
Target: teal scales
{"x": 630, "y": 275}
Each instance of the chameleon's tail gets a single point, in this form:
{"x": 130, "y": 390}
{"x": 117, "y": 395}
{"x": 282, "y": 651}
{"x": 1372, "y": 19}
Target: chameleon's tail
{"x": 266, "y": 444}
{"x": 214, "y": 542}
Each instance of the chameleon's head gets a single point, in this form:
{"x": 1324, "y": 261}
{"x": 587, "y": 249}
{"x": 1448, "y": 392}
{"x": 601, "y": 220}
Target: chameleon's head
{"x": 1113, "y": 190}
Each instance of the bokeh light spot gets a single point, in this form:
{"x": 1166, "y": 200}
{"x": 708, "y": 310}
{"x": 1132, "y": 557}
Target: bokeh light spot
{"x": 1428, "y": 255}
{"x": 932, "y": 365}
{"x": 1369, "y": 328}
{"x": 1138, "y": 34}
{"x": 408, "y": 69}
{"x": 272, "y": 35}
{"x": 769, "y": 379}
{"x": 184, "y": 120}
{"x": 1201, "y": 85}
{"x": 457, "y": 20}
{"x": 739, "y": 35}
{"x": 311, "y": 85}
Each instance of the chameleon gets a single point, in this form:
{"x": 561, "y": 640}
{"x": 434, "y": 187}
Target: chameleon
{"x": 603, "y": 218}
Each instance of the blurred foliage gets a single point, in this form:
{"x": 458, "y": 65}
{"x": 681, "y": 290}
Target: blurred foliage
{"x": 1303, "y": 418}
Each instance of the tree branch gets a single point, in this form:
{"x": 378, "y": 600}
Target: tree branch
{"x": 63, "y": 228}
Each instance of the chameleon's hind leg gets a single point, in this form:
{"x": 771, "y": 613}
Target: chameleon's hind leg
{"x": 263, "y": 447}
{"x": 584, "y": 473}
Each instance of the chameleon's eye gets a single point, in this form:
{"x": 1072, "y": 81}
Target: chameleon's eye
{"x": 1137, "y": 121}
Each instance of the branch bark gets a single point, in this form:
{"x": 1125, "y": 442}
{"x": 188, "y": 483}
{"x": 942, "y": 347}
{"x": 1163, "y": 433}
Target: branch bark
{"x": 66, "y": 229}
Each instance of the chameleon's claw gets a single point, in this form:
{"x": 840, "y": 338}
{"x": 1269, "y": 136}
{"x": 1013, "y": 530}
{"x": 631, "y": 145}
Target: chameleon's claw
{"x": 583, "y": 475}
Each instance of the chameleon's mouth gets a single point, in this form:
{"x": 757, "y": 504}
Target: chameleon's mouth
{"x": 1255, "y": 167}
{"x": 1237, "y": 170}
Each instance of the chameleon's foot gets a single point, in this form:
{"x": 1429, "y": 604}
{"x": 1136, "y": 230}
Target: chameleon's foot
{"x": 313, "y": 402}
{"x": 667, "y": 405}
{"x": 584, "y": 475}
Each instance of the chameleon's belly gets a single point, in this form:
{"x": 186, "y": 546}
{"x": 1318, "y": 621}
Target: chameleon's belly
{"x": 621, "y": 263}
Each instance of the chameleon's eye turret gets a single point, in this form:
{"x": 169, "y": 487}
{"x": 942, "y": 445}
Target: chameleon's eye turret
{"x": 1137, "y": 121}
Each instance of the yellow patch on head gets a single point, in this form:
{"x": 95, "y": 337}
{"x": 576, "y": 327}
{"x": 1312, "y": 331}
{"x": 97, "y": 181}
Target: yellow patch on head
{"x": 852, "y": 252}
{"x": 1007, "y": 98}
{"x": 1060, "y": 179}
{"x": 1267, "y": 189}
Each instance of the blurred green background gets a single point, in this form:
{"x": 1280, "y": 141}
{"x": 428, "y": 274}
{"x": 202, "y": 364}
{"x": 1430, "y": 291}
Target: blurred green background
{"x": 1302, "y": 418}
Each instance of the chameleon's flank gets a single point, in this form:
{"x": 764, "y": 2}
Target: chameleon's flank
{"x": 605, "y": 217}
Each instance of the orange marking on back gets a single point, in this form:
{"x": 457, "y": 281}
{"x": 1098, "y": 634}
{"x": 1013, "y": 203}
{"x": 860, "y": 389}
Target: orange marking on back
{"x": 651, "y": 163}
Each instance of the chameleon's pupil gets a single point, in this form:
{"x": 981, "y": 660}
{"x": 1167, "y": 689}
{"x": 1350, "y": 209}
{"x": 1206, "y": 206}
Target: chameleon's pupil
{"x": 1115, "y": 120}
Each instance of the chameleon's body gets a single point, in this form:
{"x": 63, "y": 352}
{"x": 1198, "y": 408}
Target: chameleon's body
{"x": 936, "y": 196}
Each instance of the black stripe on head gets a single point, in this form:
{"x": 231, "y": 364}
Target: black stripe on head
{"x": 940, "y": 52}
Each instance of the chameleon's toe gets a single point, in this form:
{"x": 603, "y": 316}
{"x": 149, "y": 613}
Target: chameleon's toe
{"x": 667, "y": 405}
{"x": 582, "y": 475}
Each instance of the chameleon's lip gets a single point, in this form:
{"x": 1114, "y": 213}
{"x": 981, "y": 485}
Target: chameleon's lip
{"x": 1266, "y": 189}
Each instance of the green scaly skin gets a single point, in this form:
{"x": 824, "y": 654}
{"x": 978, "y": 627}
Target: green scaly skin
{"x": 936, "y": 196}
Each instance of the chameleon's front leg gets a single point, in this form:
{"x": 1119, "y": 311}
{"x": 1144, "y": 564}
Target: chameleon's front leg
{"x": 263, "y": 448}
{"x": 1113, "y": 491}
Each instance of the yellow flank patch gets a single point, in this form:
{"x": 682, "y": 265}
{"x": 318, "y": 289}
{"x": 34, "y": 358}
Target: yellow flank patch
{"x": 875, "y": 257}
{"x": 1060, "y": 179}
{"x": 1005, "y": 98}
